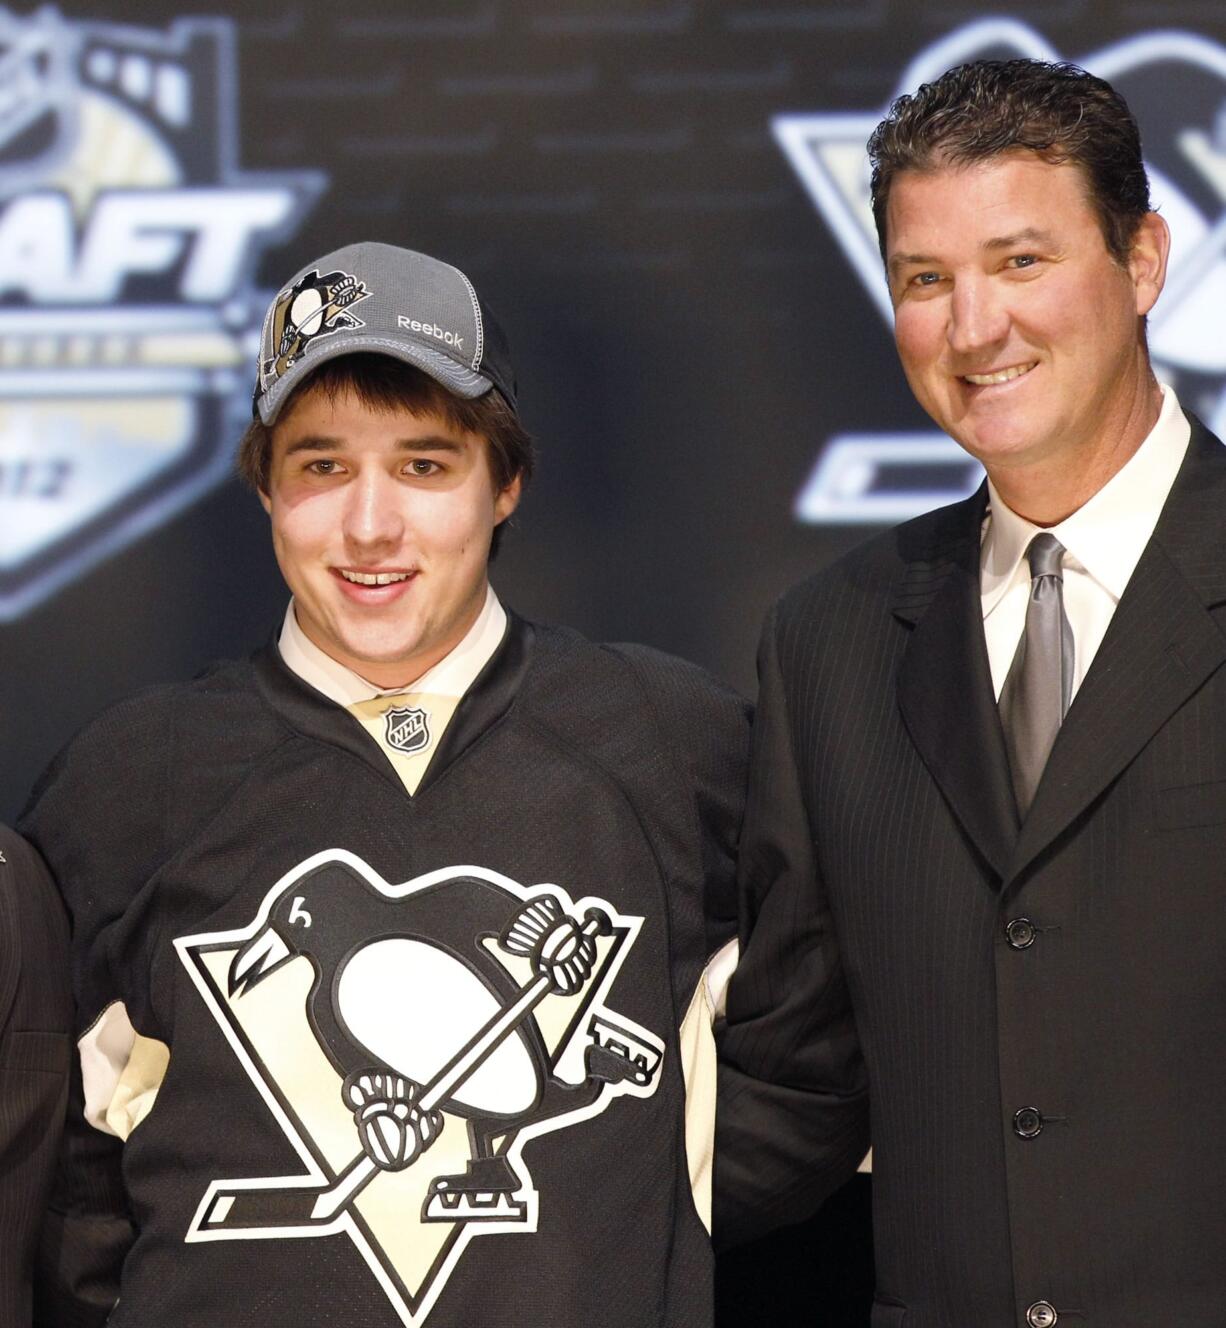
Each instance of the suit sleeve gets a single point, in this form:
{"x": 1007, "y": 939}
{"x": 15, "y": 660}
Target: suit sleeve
{"x": 87, "y": 1230}
{"x": 792, "y": 1118}
{"x": 35, "y": 1055}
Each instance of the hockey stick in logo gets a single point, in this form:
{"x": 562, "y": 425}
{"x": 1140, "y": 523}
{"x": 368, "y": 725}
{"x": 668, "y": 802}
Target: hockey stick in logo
{"x": 561, "y": 951}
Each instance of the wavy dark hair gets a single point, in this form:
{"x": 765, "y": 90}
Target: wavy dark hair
{"x": 381, "y": 382}
{"x": 1058, "y": 111}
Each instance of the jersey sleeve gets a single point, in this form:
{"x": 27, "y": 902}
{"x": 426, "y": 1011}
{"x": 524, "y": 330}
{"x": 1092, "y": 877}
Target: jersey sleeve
{"x": 706, "y": 726}
{"x": 792, "y": 1118}
{"x": 99, "y": 816}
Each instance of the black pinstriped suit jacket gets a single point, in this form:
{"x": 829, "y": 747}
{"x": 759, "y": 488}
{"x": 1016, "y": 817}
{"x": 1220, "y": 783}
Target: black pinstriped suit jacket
{"x": 882, "y": 863}
{"x": 35, "y": 1055}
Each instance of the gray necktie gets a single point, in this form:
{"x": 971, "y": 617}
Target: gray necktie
{"x": 1039, "y": 685}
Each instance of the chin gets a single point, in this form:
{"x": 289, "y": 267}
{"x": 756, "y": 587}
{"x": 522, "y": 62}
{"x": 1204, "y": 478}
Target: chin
{"x": 998, "y": 447}
{"x": 399, "y": 653}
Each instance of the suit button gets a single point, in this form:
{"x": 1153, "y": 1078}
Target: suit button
{"x": 1027, "y": 1122}
{"x": 1041, "y": 1315}
{"x": 1020, "y": 933}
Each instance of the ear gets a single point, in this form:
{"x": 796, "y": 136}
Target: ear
{"x": 507, "y": 500}
{"x": 265, "y": 500}
{"x": 1151, "y": 246}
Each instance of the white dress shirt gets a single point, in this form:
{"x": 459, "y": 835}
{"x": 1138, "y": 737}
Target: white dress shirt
{"x": 1103, "y": 539}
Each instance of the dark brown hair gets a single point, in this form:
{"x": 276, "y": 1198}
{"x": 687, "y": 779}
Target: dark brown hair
{"x": 381, "y": 382}
{"x": 1058, "y": 111}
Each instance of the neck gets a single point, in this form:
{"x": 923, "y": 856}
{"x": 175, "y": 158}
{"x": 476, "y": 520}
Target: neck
{"x": 1048, "y": 490}
{"x": 395, "y": 674}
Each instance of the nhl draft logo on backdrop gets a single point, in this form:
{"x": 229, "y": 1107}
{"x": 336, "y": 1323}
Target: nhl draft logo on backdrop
{"x": 408, "y": 729}
{"x": 128, "y": 315}
{"x": 313, "y": 307}
{"x": 887, "y": 477}
{"x": 409, "y": 1040}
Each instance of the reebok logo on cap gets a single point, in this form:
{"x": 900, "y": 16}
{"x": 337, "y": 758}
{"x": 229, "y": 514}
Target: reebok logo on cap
{"x": 453, "y": 339}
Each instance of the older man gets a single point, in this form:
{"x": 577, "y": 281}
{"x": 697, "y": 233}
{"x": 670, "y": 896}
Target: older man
{"x": 983, "y": 852}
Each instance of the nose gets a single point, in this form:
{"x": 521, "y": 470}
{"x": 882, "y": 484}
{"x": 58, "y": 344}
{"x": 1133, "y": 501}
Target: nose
{"x": 373, "y": 517}
{"x": 978, "y": 317}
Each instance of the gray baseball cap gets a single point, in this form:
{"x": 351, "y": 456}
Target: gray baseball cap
{"x": 389, "y": 301}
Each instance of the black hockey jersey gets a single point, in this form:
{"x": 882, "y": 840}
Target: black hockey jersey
{"x": 380, "y": 1060}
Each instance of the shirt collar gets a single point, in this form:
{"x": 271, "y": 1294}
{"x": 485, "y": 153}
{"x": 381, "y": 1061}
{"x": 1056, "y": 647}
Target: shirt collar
{"x": 453, "y": 675}
{"x": 1106, "y": 535}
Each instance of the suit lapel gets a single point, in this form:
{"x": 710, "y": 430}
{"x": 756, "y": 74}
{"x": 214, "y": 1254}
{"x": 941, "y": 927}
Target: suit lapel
{"x": 1161, "y": 646}
{"x": 944, "y": 683}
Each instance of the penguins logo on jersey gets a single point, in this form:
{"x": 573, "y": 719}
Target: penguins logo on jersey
{"x": 888, "y": 477}
{"x": 408, "y": 729}
{"x": 409, "y": 1040}
{"x": 129, "y": 315}
{"x": 313, "y": 307}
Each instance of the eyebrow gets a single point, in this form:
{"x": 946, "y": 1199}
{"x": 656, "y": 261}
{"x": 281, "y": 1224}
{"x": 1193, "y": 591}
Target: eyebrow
{"x": 314, "y": 442}
{"x": 1027, "y": 235}
{"x": 907, "y": 260}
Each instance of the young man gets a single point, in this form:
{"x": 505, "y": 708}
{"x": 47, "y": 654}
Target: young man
{"x": 390, "y": 943}
{"x": 35, "y": 1059}
{"x": 986, "y": 823}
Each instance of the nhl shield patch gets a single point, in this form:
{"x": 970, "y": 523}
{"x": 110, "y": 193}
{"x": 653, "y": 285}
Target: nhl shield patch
{"x": 408, "y": 729}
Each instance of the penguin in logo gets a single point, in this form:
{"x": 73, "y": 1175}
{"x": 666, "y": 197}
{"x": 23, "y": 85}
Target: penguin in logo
{"x": 312, "y": 307}
{"x": 414, "y": 1009}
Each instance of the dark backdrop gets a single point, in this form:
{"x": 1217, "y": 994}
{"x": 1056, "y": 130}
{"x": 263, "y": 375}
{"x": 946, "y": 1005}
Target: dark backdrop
{"x": 689, "y": 329}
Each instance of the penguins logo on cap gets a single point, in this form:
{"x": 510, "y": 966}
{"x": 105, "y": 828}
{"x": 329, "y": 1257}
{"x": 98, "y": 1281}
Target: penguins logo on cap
{"x": 314, "y": 306}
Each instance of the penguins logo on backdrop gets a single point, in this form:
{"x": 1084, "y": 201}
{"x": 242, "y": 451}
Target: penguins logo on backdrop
{"x": 128, "y": 240}
{"x": 887, "y": 477}
{"x": 409, "y": 1040}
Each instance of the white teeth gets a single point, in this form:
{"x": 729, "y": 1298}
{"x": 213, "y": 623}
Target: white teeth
{"x": 373, "y": 578}
{"x": 1002, "y": 376}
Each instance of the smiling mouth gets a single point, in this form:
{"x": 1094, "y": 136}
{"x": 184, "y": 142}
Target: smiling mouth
{"x": 999, "y": 375}
{"x": 372, "y": 578}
